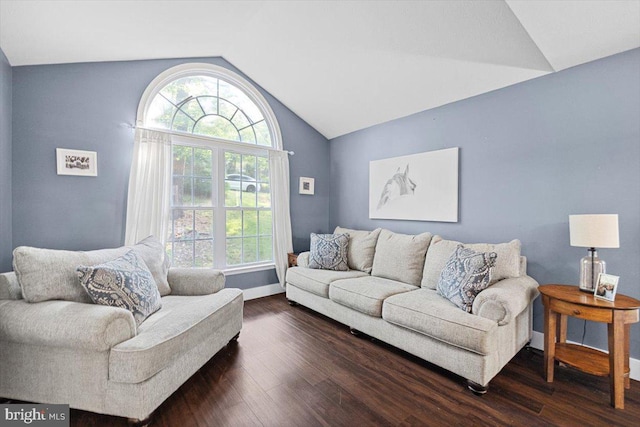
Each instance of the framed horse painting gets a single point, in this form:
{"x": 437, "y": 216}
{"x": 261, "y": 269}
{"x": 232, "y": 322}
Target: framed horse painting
{"x": 419, "y": 187}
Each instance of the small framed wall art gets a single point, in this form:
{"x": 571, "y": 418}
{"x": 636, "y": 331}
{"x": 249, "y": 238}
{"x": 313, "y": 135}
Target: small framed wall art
{"x": 76, "y": 162}
{"x": 307, "y": 185}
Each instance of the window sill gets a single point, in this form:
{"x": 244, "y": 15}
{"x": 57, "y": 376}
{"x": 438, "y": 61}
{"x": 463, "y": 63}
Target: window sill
{"x": 248, "y": 269}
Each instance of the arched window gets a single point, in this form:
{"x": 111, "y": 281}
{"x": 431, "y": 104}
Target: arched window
{"x": 211, "y": 101}
{"x": 222, "y": 130}
{"x": 208, "y": 106}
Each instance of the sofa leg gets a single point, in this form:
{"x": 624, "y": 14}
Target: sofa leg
{"x": 476, "y": 388}
{"x": 292, "y": 303}
{"x": 135, "y": 422}
{"x": 235, "y": 338}
{"x": 355, "y": 332}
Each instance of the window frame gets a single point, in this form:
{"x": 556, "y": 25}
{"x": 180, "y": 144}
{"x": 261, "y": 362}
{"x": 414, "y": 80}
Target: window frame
{"x": 219, "y": 147}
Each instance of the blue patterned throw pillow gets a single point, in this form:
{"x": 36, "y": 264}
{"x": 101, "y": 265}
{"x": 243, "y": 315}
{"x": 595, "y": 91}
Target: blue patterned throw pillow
{"x": 125, "y": 282}
{"x": 329, "y": 251}
{"x": 465, "y": 275}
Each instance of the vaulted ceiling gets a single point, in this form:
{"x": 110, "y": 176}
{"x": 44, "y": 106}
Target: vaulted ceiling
{"x": 340, "y": 65}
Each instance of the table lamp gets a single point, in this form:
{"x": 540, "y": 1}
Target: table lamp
{"x": 593, "y": 231}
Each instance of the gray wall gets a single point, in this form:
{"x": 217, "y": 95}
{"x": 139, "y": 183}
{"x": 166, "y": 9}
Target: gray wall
{"x": 530, "y": 155}
{"x": 90, "y": 107}
{"x": 5, "y": 163}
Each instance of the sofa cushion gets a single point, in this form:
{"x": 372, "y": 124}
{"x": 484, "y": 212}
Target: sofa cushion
{"x": 124, "y": 282}
{"x": 329, "y": 251}
{"x": 426, "y": 312}
{"x": 361, "y": 249}
{"x": 465, "y": 275}
{"x": 400, "y": 256}
{"x": 318, "y": 281}
{"x": 48, "y": 274}
{"x": 507, "y": 264}
{"x": 154, "y": 256}
{"x": 366, "y": 294}
{"x": 183, "y": 323}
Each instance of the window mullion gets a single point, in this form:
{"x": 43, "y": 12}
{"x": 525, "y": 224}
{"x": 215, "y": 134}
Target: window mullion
{"x": 220, "y": 238}
{"x": 204, "y": 113}
{"x": 193, "y": 242}
{"x": 242, "y": 238}
{"x": 257, "y": 231}
{"x": 215, "y": 206}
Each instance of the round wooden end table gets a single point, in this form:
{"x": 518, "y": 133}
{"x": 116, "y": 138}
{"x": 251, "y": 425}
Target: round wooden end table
{"x": 561, "y": 301}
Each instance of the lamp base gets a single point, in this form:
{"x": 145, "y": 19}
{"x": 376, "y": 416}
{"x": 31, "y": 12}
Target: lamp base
{"x": 590, "y": 268}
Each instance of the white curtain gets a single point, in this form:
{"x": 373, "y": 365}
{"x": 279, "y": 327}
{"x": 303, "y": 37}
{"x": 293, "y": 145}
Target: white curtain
{"x": 282, "y": 240}
{"x": 148, "y": 203}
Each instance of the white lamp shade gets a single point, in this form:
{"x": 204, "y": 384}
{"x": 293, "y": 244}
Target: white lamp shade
{"x": 594, "y": 231}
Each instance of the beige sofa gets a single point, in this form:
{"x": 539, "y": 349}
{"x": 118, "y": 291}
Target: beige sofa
{"x": 95, "y": 357}
{"x": 389, "y": 293}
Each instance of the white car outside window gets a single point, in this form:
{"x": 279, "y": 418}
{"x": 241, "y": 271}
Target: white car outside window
{"x": 236, "y": 181}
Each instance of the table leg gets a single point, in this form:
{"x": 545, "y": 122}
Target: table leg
{"x": 616, "y": 359}
{"x": 562, "y": 332}
{"x": 627, "y": 334}
{"x": 562, "y": 328}
{"x": 550, "y": 329}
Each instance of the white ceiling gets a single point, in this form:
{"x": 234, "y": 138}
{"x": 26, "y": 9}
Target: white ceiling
{"x": 340, "y": 65}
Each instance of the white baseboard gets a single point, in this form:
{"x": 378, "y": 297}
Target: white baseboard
{"x": 262, "y": 291}
{"x": 537, "y": 341}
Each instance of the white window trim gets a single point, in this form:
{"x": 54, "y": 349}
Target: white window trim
{"x": 249, "y": 268}
{"x": 216, "y": 71}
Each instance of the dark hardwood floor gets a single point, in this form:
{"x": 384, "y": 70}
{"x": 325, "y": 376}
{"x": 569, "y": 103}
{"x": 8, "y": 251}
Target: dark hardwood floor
{"x": 293, "y": 367}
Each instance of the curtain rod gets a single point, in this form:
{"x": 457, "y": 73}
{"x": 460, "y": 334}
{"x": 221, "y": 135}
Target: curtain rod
{"x": 191, "y": 135}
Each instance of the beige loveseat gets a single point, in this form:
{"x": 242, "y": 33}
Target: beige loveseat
{"x": 95, "y": 357}
{"x": 389, "y": 293}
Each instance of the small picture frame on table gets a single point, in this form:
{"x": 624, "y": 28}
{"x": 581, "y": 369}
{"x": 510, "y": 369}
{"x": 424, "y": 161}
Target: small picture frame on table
{"x": 606, "y": 287}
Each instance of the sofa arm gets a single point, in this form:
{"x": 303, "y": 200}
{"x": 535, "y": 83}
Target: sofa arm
{"x": 65, "y": 324}
{"x": 9, "y": 286}
{"x": 191, "y": 282}
{"x": 303, "y": 259}
{"x": 504, "y": 300}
